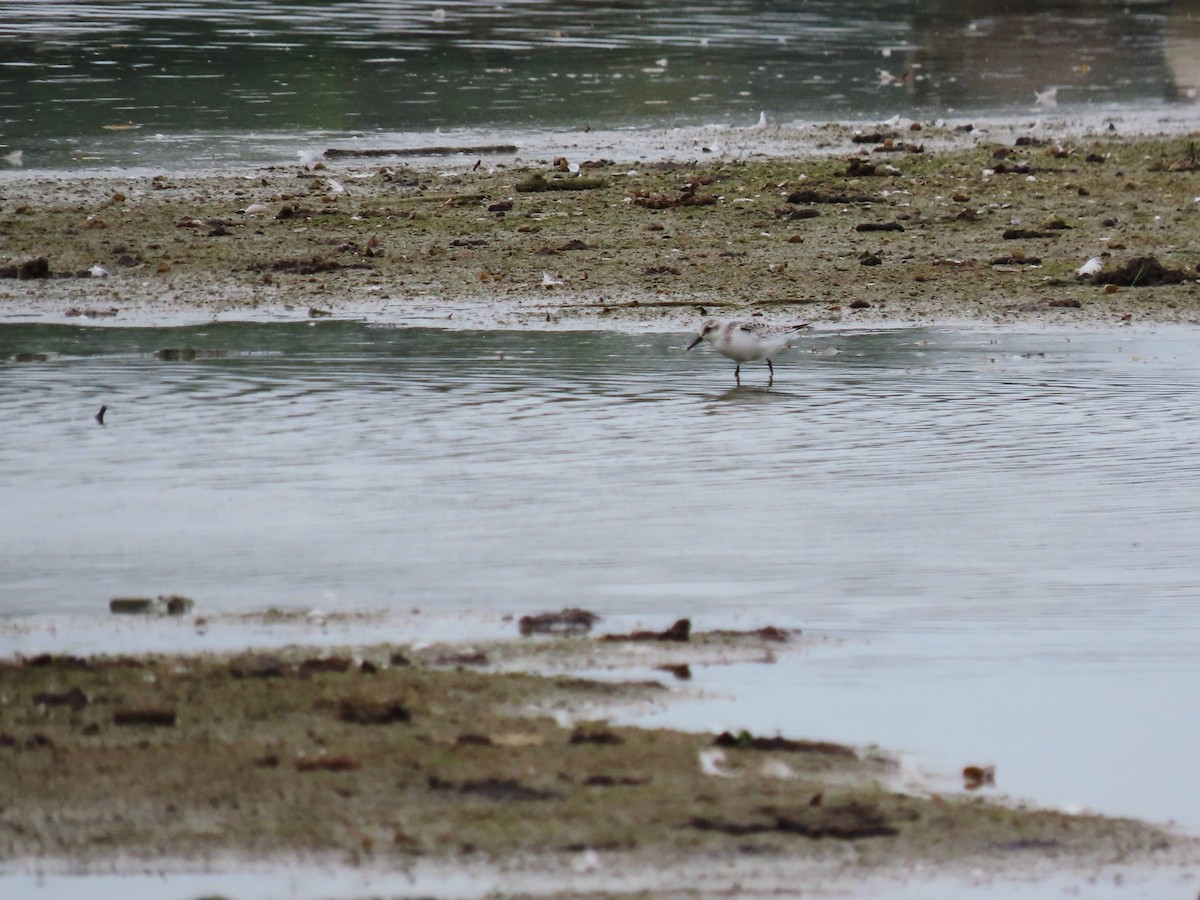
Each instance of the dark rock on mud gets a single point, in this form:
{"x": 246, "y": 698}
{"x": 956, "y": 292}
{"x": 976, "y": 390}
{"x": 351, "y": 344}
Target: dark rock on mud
{"x": 568, "y": 621}
{"x": 328, "y": 764}
{"x": 796, "y": 215}
{"x": 75, "y": 698}
{"x": 682, "y": 671}
{"x": 680, "y": 631}
{"x": 471, "y": 739}
{"x": 808, "y": 196}
{"x": 1144, "y": 271}
{"x": 131, "y": 605}
{"x": 537, "y": 182}
{"x": 858, "y": 167}
{"x": 368, "y": 711}
{"x": 591, "y": 736}
{"x": 850, "y": 821}
{"x": 766, "y": 633}
{"x": 157, "y": 716}
{"x": 975, "y": 777}
{"x": 171, "y": 605}
{"x": 1017, "y": 234}
{"x": 743, "y": 740}
{"x": 503, "y": 790}
{"x": 58, "y": 661}
{"x": 469, "y": 658}
{"x": 38, "y": 267}
{"x": 36, "y": 741}
{"x": 614, "y": 781}
{"x": 892, "y": 146}
{"x": 325, "y": 664}
{"x": 309, "y": 265}
{"x": 372, "y": 152}
{"x": 257, "y": 667}
{"x": 1013, "y": 169}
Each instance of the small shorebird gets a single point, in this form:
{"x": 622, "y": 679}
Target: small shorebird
{"x": 748, "y": 342}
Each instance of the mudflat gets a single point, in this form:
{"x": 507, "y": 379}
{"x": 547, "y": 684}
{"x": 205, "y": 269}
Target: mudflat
{"x": 894, "y": 226}
{"x": 392, "y": 754}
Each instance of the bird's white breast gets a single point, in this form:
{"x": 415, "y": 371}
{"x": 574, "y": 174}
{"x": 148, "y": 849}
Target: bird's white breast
{"x": 747, "y": 346}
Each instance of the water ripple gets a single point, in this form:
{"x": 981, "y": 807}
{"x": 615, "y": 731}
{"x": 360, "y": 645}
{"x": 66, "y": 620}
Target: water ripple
{"x": 946, "y": 483}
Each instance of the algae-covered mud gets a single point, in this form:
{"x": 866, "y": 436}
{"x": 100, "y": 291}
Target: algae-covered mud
{"x": 893, "y": 224}
{"x": 391, "y": 755}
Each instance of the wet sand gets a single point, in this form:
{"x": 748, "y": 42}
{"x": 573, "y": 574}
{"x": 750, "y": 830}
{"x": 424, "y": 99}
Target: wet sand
{"x": 887, "y": 225}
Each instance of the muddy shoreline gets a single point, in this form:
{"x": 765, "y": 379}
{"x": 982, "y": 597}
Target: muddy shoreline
{"x": 897, "y": 225}
{"x": 394, "y": 756}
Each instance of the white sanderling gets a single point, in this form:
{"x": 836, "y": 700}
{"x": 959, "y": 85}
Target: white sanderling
{"x": 748, "y": 342}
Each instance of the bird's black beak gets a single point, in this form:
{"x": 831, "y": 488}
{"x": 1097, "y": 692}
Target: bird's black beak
{"x": 695, "y": 342}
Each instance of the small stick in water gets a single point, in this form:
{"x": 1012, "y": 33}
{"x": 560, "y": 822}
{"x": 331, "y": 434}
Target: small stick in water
{"x": 100, "y": 415}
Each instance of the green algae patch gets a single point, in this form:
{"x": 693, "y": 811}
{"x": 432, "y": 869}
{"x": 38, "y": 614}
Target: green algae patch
{"x": 393, "y": 754}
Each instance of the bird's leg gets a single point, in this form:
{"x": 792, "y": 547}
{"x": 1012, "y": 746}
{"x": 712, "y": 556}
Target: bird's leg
{"x": 737, "y": 373}
{"x": 771, "y": 377}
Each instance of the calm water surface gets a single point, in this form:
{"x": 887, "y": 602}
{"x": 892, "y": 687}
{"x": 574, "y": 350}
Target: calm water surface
{"x": 1000, "y": 531}
{"x": 196, "y": 82}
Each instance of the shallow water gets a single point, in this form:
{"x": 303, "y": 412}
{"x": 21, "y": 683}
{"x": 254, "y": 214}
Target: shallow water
{"x": 997, "y": 531}
{"x": 201, "y": 82}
